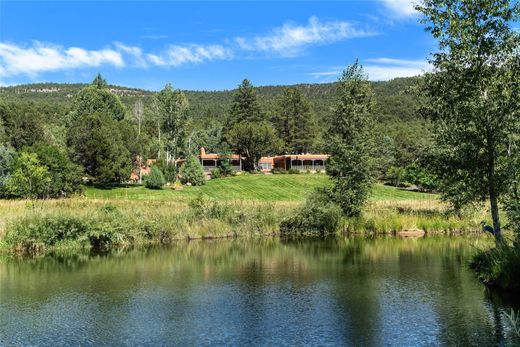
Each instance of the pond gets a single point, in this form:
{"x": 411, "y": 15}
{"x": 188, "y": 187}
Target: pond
{"x": 334, "y": 291}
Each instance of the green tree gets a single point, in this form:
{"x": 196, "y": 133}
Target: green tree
{"x": 7, "y": 155}
{"x": 171, "y": 107}
{"x": 155, "y": 180}
{"x": 253, "y": 141}
{"x": 97, "y": 98}
{"x": 473, "y": 97}
{"x": 396, "y": 175}
{"x": 351, "y": 142}
{"x": 28, "y": 178}
{"x": 66, "y": 177}
{"x": 96, "y": 144}
{"x": 24, "y": 124}
{"x": 191, "y": 172}
{"x": 245, "y": 106}
{"x": 295, "y": 122}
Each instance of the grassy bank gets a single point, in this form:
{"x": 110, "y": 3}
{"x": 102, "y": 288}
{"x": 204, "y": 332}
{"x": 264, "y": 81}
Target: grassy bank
{"x": 249, "y": 205}
{"x": 248, "y": 187}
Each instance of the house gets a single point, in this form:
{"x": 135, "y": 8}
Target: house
{"x": 211, "y": 161}
{"x": 311, "y": 162}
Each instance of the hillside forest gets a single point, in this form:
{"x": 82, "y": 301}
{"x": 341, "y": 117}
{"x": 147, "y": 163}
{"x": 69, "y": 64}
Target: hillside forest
{"x": 102, "y": 132}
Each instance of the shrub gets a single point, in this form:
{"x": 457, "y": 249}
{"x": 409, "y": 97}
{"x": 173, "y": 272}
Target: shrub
{"x": 66, "y": 177}
{"x": 317, "y": 215}
{"x": 216, "y": 173}
{"x": 155, "y": 180}
{"x": 420, "y": 176}
{"x": 396, "y": 175}
{"x": 499, "y": 267}
{"x": 293, "y": 171}
{"x": 35, "y": 233}
{"x": 28, "y": 178}
{"x": 169, "y": 171}
{"x": 192, "y": 172}
{"x": 279, "y": 171}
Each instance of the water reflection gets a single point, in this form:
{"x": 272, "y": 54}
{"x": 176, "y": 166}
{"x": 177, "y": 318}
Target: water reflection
{"x": 338, "y": 291}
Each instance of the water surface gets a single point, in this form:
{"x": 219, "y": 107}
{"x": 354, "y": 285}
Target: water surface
{"x": 341, "y": 291}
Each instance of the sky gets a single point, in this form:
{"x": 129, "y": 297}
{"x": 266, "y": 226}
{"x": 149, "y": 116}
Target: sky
{"x": 208, "y": 45}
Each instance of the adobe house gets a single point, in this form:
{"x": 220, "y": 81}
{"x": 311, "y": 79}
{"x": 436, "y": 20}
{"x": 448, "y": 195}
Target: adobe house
{"x": 312, "y": 162}
{"x": 211, "y": 161}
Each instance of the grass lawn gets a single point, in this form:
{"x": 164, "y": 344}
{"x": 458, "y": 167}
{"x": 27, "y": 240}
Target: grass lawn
{"x": 249, "y": 187}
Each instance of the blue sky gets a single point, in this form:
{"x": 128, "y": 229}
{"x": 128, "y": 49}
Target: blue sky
{"x": 208, "y": 45}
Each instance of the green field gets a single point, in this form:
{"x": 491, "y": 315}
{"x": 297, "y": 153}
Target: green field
{"x": 249, "y": 187}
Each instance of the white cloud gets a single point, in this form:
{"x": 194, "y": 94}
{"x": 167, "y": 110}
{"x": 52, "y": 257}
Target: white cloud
{"x": 290, "y": 39}
{"x": 135, "y": 52}
{"x": 379, "y": 69}
{"x": 383, "y": 69}
{"x": 287, "y": 40}
{"x": 178, "y": 55}
{"x": 401, "y": 8}
{"x": 40, "y": 57}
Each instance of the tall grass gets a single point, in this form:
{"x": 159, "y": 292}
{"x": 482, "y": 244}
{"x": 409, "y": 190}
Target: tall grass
{"x": 499, "y": 267}
{"x": 96, "y": 224}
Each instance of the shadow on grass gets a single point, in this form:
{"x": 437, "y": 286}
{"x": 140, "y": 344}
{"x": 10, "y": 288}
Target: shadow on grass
{"x": 110, "y": 186}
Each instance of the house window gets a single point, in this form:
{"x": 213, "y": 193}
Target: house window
{"x": 265, "y": 166}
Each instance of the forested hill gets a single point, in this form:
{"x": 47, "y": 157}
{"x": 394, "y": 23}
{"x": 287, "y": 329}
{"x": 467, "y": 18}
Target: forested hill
{"x": 392, "y": 100}
{"x": 395, "y": 112}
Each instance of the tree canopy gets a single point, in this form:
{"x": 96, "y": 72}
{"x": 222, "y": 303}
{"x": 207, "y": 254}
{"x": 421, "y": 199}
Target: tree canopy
{"x": 351, "y": 142}
{"x": 473, "y": 97}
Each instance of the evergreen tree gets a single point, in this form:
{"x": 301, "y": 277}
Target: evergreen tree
{"x": 473, "y": 98}
{"x": 253, "y": 140}
{"x": 295, "y": 122}
{"x": 155, "y": 180}
{"x": 351, "y": 142}
{"x": 97, "y": 98}
{"x": 24, "y": 124}
{"x": 191, "y": 172}
{"x": 245, "y": 105}
{"x": 96, "y": 144}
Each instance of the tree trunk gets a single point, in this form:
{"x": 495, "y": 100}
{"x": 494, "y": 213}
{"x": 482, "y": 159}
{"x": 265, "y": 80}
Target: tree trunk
{"x": 493, "y": 196}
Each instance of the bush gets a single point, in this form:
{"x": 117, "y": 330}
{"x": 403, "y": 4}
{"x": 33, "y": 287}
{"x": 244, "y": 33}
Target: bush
{"x": 28, "y": 178}
{"x": 279, "y": 171}
{"x": 34, "y": 234}
{"x": 66, "y": 177}
{"x": 192, "y": 172}
{"x": 421, "y": 177}
{"x": 216, "y": 173}
{"x": 396, "y": 175}
{"x": 317, "y": 215}
{"x": 499, "y": 267}
{"x": 155, "y": 180}
{"x": 169, "y": 171}
{"x": 293, "y": 171}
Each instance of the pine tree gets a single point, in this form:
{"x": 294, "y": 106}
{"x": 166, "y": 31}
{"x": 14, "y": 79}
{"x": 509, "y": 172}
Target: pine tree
{"x": 155, "y": 180}
{"x": 192, "y": 172}
{"x": 295, "y": 122}
{"x": 351, "y": 142}
{"x": 245, "y": 105}
{"x": 97, "y": 98}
